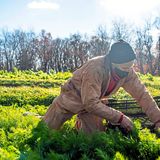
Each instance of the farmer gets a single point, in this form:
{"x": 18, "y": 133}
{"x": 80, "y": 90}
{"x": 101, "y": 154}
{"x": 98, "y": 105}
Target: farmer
{"x": 85, "y": 92}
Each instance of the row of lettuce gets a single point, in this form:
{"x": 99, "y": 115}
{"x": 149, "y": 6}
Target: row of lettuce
{"x": 52, "y": 79}
{"x": 28, "y": 87}
{"x": 30, "y": 78}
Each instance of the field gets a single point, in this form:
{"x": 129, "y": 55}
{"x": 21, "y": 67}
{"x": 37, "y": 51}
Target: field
{"x": 25, "y": 96}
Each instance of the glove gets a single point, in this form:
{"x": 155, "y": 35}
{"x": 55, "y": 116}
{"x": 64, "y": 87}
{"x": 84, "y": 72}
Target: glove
{"x": 126, "y": 123}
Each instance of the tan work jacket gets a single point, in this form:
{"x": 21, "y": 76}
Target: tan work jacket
{"x": 84, "y": 91}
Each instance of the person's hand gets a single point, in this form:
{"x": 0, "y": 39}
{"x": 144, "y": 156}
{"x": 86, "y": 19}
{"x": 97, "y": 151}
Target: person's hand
{"x": 104, "y": 101}
{"x": 157, "y": 125}
{"x": 156, "y": 128}
{"x": 126, "y": 123}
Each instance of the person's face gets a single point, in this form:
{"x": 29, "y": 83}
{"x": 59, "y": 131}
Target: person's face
{"x": 124, "y": 66}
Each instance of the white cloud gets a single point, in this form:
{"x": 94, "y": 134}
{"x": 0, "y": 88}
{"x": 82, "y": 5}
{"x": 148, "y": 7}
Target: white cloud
{"x": 130, "y": 9}
{"x": 43, "y": 5}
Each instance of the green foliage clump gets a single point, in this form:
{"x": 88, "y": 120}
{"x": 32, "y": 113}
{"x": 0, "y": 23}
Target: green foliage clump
{"x": 111, "y": 144}
{"x": 27, "y": 95}
{"x": 30, "y": 78}
{"x": 15, "y": 129}
{"x": 149, "y": 146}
{"x": 28, "y": 137}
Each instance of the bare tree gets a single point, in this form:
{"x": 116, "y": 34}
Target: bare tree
{"x": 75, "y": 41}
{"x": 139, "y": 44}
{"x": 105, "y": 40}
{"x": 8, "y": 48}
{"x": 56, "y": 56}
{"x": 25, "y": 50}
{"x": 148, "y": 43}
{"x": 1, "y": 56}
{"x": 157, "y": 25}
{"x": 99, "y": 43}
{"x": 44, "y": 50}
{"x": 121, "y": 30}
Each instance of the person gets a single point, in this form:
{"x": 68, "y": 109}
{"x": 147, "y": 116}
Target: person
{"x": 84, "y": 93}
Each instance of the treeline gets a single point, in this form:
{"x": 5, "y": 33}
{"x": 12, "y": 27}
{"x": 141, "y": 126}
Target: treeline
{"x": 26, "y": 50}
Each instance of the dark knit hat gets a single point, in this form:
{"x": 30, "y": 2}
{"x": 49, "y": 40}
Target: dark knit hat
{"x": 121, "y": 52}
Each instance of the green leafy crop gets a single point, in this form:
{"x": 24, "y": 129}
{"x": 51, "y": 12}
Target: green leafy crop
{"x": 26, "y": 95}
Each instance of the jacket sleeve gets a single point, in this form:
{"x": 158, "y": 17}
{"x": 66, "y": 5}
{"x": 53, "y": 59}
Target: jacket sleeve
{"x": 138, "y": 91}
{"x": 90, "y": 95}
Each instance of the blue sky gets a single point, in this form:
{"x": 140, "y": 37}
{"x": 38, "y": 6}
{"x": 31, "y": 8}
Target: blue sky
{"x": 64, "y": 17}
